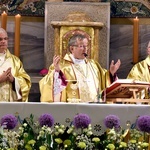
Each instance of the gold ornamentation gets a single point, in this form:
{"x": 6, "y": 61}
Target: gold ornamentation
{"x": 74, "y": 86}
{"x": 74, "y": 93}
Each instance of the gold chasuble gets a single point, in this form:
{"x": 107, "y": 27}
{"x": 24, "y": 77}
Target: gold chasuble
{"x": 22, "y": 81}
{"x": 84, "y": 81}
{"x": 141, "y": 72}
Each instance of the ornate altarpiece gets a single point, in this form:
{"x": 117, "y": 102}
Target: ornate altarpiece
{"x": 77, "y": 23}
{"x": 62, "y": 19}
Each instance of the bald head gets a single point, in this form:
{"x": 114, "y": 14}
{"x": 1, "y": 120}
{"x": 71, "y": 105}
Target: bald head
{"x": 3, "y": 40}
{"x": 3, "y": 31}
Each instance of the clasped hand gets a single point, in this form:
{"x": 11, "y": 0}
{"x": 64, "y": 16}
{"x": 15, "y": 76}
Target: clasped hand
{"x": 6, "y": 76}
{"x": 114, "y": 66}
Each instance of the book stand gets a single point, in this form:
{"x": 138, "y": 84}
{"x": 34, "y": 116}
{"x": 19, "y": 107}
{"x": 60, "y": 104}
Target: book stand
{"x": 125, "y": 92}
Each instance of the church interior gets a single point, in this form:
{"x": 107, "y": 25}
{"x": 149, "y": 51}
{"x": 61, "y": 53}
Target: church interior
{"x": 110, "y": 21}
{"x": 40, "y": 29}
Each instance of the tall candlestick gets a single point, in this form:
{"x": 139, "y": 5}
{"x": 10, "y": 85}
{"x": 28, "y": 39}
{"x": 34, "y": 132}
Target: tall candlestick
{"x": 135, "y": 40}
{"x": 4, "y": 20}
{"x": 17, "y": 35}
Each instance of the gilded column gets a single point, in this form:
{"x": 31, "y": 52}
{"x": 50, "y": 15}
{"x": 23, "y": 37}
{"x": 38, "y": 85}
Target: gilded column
{"x": 57, "y": 41}
{"x": 96, "y": 44}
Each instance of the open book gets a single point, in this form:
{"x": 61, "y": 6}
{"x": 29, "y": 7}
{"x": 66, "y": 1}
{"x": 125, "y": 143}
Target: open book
{"x": 123, "y": 88}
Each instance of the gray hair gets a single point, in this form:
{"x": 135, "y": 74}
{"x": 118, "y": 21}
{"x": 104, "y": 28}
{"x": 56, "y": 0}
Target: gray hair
{"x": 74, "y": 39}
{"x": 3, "y": 31}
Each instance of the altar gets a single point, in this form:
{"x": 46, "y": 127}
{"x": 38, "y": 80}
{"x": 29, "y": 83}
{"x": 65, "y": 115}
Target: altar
{"x": 64, "y": 113}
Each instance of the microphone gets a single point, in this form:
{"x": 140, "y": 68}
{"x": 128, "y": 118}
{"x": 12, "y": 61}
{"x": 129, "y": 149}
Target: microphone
{"x": 85, "y": 54}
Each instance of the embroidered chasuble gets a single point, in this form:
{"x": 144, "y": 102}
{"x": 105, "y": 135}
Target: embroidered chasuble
{"x": 85, "y": 83}
{"x": 6, "y": 93}
{"x": 84, "y": 80}
{"x": 141, "y": 72}
{"x": 21, "y": 79}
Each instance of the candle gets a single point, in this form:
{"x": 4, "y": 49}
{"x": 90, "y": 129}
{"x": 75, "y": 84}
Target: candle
{"x": 17, "y": 35}
{"x": 4, "y": 20}
{"x": 135, "y": 40}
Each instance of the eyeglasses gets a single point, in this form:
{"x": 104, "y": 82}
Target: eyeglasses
{"x": 81, "y": 46}
{"x": 1, "y": 39}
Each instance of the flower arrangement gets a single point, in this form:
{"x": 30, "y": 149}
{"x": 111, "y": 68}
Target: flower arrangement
{"x": 42, "y": 134}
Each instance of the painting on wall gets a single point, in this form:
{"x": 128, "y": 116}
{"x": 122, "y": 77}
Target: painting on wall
{"x": 119, "y": 8}
{"x": 129, "y": 8}
{"x": 125, "y": 8}
{"x": 23, "y": 7}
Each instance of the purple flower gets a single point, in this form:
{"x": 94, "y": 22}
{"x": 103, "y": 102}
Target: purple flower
{"x": 81, "y": 121}
{"x": 143, "y": 123}
{"x": 9, "y": 121}
{"x": 111, "y": 121}
{"x": 47, "y": 120}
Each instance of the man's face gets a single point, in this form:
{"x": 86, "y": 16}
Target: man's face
{"x": 79, "y": 49}
{"x": 3, "y": 42}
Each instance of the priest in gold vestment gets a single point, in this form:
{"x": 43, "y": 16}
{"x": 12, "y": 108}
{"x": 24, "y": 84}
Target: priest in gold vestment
{"x": 141, "y": 72}
{"x": 14, "y": 81}
{"x": 76, "y": 78}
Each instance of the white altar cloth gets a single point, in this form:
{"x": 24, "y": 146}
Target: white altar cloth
{"x": 64, "y": 112}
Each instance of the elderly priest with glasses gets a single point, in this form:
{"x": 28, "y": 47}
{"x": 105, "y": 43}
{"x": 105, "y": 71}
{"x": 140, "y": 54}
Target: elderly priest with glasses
{"x": 14, "y": 81}
{"x": 75, "y": 78}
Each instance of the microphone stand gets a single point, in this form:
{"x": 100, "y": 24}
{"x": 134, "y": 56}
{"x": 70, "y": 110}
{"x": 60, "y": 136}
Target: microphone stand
{"x": 99, "y": 95}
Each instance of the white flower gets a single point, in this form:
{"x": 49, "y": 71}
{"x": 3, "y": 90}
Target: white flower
{"x": 89, "y": 133}
{"x": 60, "y": 131}
{"x": 25, "y": 125}
{"x": 56, "y": 133}
{"x": 74, "y": 133}
{"x": 62, "y": 126}
{"x": 25, "y": 134}
{"x": 41, "y": 133}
